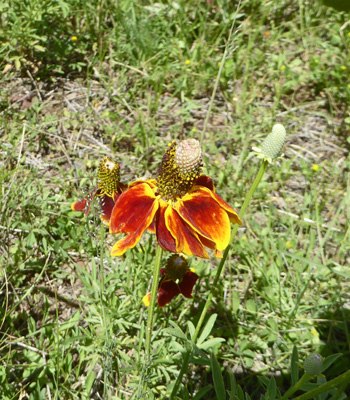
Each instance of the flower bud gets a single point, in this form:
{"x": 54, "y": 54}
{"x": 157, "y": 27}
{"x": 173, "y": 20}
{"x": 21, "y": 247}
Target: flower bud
{"x": 271, "y": 147}
{"x": 313, "y": 364}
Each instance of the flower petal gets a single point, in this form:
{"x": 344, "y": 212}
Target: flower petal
{"x": 146, "y": 299}
{"x": 206, "y": 181}
{"x": 186, "y": 238}
{"x": 206, "y": 216}
{"x": 165, "y": 240}
{"x": 132, "y": 208}
{"x": 144, "y": 219}
{"x": 107, "y": 204}
{"x": 85, "y": 203}
{"x": 234, "y": 218}
{"x": 187, "y": 283}
{"x": 166, "y": 292}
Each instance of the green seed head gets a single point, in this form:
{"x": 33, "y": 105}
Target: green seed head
{"x": 273, "y": 144}
{"x": 313, "y": 364}
{"x": 271, "y": 147}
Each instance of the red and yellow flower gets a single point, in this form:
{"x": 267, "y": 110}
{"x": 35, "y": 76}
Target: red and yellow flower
{"x": 180, "y": 206}
{"x": 176, "y": 278}
{"x": 108, "y": 190}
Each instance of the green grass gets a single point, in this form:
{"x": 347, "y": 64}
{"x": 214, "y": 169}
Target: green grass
{"x": 72, "y": 323}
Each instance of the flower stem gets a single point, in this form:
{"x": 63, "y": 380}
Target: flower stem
{"x": 297, "y": 386}
{"x": 341, "y": 379}
{"x": 216, "y": 279}
{"x": 154, "y": 290}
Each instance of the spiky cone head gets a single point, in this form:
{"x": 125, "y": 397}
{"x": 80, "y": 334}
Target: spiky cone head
{"x": 181, "y": 166}
{"x": 108, "y": 177}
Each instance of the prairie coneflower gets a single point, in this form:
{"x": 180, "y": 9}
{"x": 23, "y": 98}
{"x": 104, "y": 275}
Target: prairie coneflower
{"x": 108, "y": 190}
{"x": 176, "y": 278}
{"x": 180, "y": 206}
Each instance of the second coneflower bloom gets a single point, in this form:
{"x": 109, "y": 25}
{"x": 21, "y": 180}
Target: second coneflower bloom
{"x": 180, "y": 206}
{"x": 108, "y": 190}
{"x": 176, "y": 278}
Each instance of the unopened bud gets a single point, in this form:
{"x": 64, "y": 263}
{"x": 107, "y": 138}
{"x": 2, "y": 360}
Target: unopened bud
{"x": 272, "y": 146}
{"x": 313, "y": 364}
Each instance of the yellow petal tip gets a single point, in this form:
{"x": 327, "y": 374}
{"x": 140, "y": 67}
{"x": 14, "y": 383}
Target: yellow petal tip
{"x": 146, "y": 299}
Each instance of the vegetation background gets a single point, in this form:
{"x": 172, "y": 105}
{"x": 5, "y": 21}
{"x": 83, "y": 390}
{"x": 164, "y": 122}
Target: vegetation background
{"x": 84, "y": 79}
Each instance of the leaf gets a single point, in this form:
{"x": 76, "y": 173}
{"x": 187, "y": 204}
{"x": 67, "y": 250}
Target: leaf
{"x": 294, "y": 368}
{"x": 191, "y": 328}
{"x": 233, "y": 386}
{"x": 207, "y": 329}
{"x": 251, "y": 306}
{"x": 210, "y": 343}
{"x": 39, "y": 48}
{"x": 202, "y": 392}
{"x": 89, "y": 381}
{"x": 217, "y": 379}
{"x": 175, "y": 332}
{"x": 330, "y": 360}
{"x": 271, "y": 389}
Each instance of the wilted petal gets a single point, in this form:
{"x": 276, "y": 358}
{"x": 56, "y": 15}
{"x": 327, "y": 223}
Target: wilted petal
{"x": 187, "y": 283}
{"x": 85, "y": 203}
{"x": 206, "y": 181}
{"x": 206, "y": 216}
{"x": 166, "y": 292}
{"x": 107, "y": 204}
{"x": 187, "y": 240}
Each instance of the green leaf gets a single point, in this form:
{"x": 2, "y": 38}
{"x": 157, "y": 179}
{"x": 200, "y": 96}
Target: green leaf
{"x": 251, "y": 306}
{"x": 202, "y": 392}
{"x": 89, "y": 381}
{"x": 233, "y": 386}
{"x": 330, "y": 360}
{"x": 294, "y": 366}
{"x": 191, "y": 328}
{"x": 271, "y": 389}
{"x": 207, "y": 329}
{"x": 175, "y": 332}
{"x": 39, "y": 48}
{"x": 217, "y": 379}
{"x": 210, "y": 343}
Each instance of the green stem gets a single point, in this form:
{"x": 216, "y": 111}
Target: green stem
{"x": 341, "y": 379}
{"x": 216, "y": 279}
{"x": 154, "y": 291}
{"x": 297, "y": 386}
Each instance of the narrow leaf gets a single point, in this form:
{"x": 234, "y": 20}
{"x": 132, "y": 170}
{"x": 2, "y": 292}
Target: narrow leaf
{"x": 207, "y": 329}
{"x": 191, "y": 328}
{"x": 233, "y": 386}
{"x": 202, "y": 392}
{"x": 271, "y": 389}
{"x": 330, "y": 360}
{"x": 294, "y": 366}
{"x": 217, "y": 379}
{"x": 210, "y": 343}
